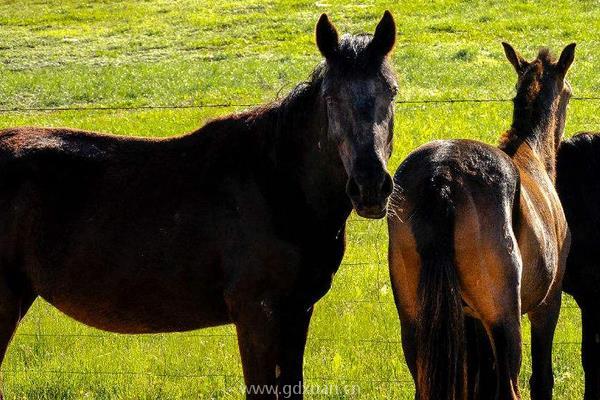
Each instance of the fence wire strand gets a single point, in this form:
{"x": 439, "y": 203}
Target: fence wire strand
{"x": 243, "y": 105}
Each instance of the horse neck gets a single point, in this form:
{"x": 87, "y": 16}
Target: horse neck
{"x": 539, "y": 125}
{"x": 308, "y": 161}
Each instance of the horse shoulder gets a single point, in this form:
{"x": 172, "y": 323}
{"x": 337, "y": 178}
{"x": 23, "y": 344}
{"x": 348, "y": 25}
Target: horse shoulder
{"x": 542, "y": 236}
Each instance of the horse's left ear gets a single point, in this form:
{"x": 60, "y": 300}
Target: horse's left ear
{"x": 385, "y": 35}
{"x": 515, "y": 58}
{"x": 566, "y": 58}
{"x": 327, "y": 37}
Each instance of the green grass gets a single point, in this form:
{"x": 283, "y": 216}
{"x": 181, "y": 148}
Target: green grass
{"x": 132, "y": 53}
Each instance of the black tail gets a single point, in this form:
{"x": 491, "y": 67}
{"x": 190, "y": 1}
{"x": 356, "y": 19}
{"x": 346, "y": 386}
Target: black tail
{"x": 440, "y": 326}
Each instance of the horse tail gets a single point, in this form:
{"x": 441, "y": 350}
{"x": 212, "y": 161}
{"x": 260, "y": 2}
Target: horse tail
{"x": 441, "y": 369}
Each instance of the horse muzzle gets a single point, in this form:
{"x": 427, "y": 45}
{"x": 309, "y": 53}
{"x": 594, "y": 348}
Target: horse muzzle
{"x": 369, "y": 197}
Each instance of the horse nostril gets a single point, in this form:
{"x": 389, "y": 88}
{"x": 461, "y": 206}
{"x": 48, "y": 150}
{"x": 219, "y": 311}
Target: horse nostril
{"x": 388, "y": 185}
{"x": 352, "y": 189}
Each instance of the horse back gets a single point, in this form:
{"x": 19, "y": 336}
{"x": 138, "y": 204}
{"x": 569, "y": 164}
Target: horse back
{"x": 130, "y": 235}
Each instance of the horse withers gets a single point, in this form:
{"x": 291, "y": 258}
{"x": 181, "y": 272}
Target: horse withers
{"x": 242, "y": 221}
{"x": 478, "y": 232}
{"x": 578, "y": 185}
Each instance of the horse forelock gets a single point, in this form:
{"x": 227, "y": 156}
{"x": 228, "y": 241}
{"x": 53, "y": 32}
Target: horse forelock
{"x": 354, "y": 53}
{"x": 546, "y": 56}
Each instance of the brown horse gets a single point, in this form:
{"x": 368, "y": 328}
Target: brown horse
{"x": 479, "y": 231}
{"x": 242, "y": 221}
{"x": 578, "y": 185}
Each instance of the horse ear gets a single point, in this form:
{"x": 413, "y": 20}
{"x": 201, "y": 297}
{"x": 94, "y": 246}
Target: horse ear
{"x": 566, "y": 58}
{"x": 385, "y": 35}
{"x": 515, "y": 58}
{"x": 327, "y": 37}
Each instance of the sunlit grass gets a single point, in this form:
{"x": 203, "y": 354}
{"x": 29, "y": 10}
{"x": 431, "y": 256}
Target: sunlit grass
{"x": 72, "y": 53}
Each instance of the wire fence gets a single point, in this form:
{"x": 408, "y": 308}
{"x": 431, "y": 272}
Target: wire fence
{"x": 379, "y": 263}
{"x": 242, "y": 105}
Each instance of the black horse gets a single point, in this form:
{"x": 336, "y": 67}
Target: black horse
{"x": 242, "y": 221}
{"x": 578, "y": 184}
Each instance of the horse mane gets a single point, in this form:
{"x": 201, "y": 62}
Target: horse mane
{"x": 510, "y": 141}
{"x": 264, "y": 125}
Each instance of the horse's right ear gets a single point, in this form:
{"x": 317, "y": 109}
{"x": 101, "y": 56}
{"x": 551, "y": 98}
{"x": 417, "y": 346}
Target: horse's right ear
{"x": 566, "y": 58}
{"x": 385, "y": 35}
{"x": 515, "y": 58}
{"x": 327, "y": 37}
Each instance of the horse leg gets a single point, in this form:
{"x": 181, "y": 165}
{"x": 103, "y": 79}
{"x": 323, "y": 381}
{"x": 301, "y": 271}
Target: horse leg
{"x": 505, "y": 335}
{"x": 258, "y": 324}
{"x": 497, "y": 303}
{"x": 481, "y": 379}
{"x": 473, "y": 358}
{"x": 14, "y": 303}
{"x": 543, "y": 323}
{"x": 590, "y": 349}
{"x": 404, "y": 277}
{"x": 293, "y": 334}
{"x": 409, "y": 347}
{"x": 406, "y": 300}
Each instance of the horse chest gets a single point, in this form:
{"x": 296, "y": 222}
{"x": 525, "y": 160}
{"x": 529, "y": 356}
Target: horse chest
{"x": 318, "y": 269}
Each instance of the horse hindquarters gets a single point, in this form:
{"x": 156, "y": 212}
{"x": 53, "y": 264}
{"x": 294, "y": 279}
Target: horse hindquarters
{"x": 489, "y": 265}
{"x": 426, "y": 287}
{"x": 435, "y": 259}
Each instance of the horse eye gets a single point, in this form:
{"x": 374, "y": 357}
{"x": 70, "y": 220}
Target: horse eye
{"x": 394, "y": 91}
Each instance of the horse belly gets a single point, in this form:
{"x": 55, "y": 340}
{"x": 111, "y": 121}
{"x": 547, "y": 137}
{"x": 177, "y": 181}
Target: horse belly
{"x": 142, "y": 318}
{"x": 132, "y": 304}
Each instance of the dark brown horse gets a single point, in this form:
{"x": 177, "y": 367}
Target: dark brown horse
{"x": 479, "y": 231}
{"x": 578, "y": 185}
{"x": 241, "y": 221}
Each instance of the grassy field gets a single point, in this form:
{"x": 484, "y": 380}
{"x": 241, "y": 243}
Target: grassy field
{"x": 141, "y": 53}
